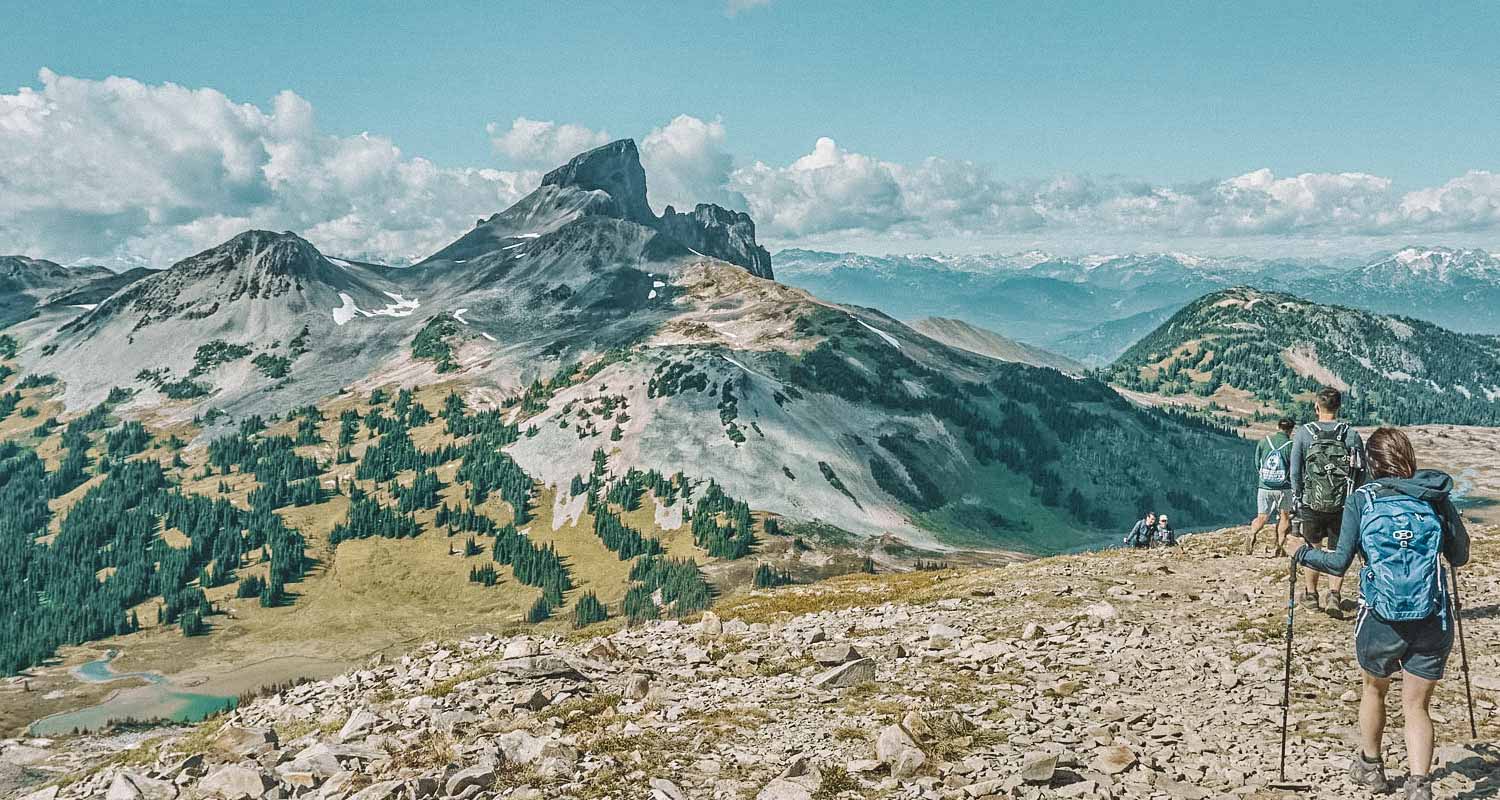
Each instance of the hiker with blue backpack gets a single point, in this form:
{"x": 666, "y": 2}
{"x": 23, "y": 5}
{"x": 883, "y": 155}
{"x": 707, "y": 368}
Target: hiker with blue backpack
{"x": 1327, "y": 466}
{"x": 1402, "y": 524}
{"x": 1273, "y": 487}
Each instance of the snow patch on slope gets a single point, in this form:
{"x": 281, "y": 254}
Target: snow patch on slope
{"x": 889, "y": 339}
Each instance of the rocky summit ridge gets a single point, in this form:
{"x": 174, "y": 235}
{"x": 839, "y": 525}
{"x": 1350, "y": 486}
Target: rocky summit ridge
{"x": 1117, "y": 674}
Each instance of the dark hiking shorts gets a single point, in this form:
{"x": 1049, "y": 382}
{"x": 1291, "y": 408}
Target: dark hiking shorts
{"x": 1419, "y": 647}
{"x": 1316, "y": 527}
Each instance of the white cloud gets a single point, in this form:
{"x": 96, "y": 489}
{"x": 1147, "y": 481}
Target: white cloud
{"x": 117, "y": 171}
{"x": 686, "y": 164}
{"x": 832, "y": 191}
{"x": 544, "y": 144}
{"x": 828, "y": 189}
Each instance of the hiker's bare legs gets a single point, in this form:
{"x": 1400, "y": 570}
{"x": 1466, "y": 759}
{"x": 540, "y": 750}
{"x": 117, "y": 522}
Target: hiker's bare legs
{"x": 1283, "y": 532}
{"x": 1255, "y": 526}
{"x": 1416, "y": 694}
{"x": 1372, "y": 716}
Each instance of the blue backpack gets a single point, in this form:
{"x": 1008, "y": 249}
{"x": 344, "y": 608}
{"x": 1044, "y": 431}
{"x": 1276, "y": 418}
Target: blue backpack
{"x": 1402, "y": 540}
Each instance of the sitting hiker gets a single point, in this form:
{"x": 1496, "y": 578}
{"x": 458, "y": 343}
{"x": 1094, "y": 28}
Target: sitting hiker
{"x": 1273, "y": 485}
{"x": 1164, "y": 534}
{"x": 1140, "y": 535}
{"x": 1399, "y": 524}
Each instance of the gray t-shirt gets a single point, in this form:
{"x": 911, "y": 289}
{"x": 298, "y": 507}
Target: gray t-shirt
{"x": 1303, "y": 439}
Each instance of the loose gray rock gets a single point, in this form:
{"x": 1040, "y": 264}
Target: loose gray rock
{"x": 846, "y": 675}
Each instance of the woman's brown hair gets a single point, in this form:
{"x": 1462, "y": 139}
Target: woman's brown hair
{"x": 1390, "y": 454}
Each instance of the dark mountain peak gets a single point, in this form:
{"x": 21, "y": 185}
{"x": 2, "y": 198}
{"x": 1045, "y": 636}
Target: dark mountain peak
{"x": 263, "y": 252}
{"x": 614, "y": 169}
{"x": 721, "y": 233}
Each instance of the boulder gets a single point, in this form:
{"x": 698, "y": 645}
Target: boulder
{"x": 1039, "y": 767}
{"x": 521, "y": 647}
{"x": 384, "y": 790}
{"x": 529, "y": 698}
{"x": 845, "y": 675}
{"x": 1113, "y": 760}
{"x": 663, "y": 789}
{"x": 361, "y": 723}
{"x": 239, "y": 742}
{"x": 130, "y": 786}
{"x": 941, "y": 637}
{"x": 520, "y": 747}
{"x": 835, "y": 654}
{"x": 637, "y": 686}
{"x": 236, "y": 782}
{"x": 896, "y": 748}
{"x": 481, "y": 776}
{"x": 786, "y": 789}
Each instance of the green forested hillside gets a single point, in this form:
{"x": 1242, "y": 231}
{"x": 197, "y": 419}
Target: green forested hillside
{"x": 1281, "y": 348}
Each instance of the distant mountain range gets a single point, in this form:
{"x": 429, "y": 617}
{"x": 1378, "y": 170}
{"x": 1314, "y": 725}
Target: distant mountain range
{"x": 29, "y": 285}
{"x": 1280, "y": 349}
{"x": 1093, "y": 308}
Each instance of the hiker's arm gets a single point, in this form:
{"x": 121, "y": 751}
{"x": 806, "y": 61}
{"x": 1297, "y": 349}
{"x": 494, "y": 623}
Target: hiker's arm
{"x": 1299, "y": 450}
{"x": 1335, "y": 562}
{"x": 1356, "y": 446}
{"x": 1456, "y": 546}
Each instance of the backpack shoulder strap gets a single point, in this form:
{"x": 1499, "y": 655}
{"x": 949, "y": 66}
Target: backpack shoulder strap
{"x": 1343, "y": 430}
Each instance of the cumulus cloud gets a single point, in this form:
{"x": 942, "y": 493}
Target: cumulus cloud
{"x": 834, "y": 191}
{"x": 686, "y": 164}
{"x": 117, "y": 171}
{"x": 544, "y": 144}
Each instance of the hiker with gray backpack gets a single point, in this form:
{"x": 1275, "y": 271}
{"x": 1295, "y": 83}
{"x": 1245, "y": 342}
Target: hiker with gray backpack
{"x": 1273, "y": 487}
{"x": 1327, "y": 459}
{"x": 1401, "y": 524}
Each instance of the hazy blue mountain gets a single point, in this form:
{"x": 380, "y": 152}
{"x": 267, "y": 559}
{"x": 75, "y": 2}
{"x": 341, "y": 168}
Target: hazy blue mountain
{"x": 1094, "y": 307}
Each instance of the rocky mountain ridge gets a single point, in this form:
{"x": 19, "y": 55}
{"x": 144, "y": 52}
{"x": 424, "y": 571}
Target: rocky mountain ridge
{"x": 1091, "y": 676}
{"x": 1280, "y": 348}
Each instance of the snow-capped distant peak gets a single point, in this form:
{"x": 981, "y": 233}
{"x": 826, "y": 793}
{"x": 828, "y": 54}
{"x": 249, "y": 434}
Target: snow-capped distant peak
{"x": 1440, "y": 263}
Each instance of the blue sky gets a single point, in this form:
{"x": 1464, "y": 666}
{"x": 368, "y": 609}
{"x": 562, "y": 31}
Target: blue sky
{"x": 1121, "y": 95}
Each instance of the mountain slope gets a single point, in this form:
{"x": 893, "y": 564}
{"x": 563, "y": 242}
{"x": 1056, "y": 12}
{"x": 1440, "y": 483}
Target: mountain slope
{"x": 915, "y": 682}
{"x": 960, "y": 334}
{"x": 1281, "y": 348}
{"x": 602, "y": 419}
{"x": 28, "y": 284}
{"x": 805, "y": 408}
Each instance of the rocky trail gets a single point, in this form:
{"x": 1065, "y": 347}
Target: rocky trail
{"x": 1104, "y": 675}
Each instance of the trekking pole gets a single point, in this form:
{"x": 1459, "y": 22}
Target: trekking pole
{"x": 1286, "y": 686}
{"x": 1463, "y": 652}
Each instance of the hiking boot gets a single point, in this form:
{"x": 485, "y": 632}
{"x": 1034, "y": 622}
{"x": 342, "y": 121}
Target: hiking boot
{"x": 1419, "y": 787}
{"x": 1309, "y": 599}
{"x": 1370, "y": 774}
{"x": 1332, "y": 605}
